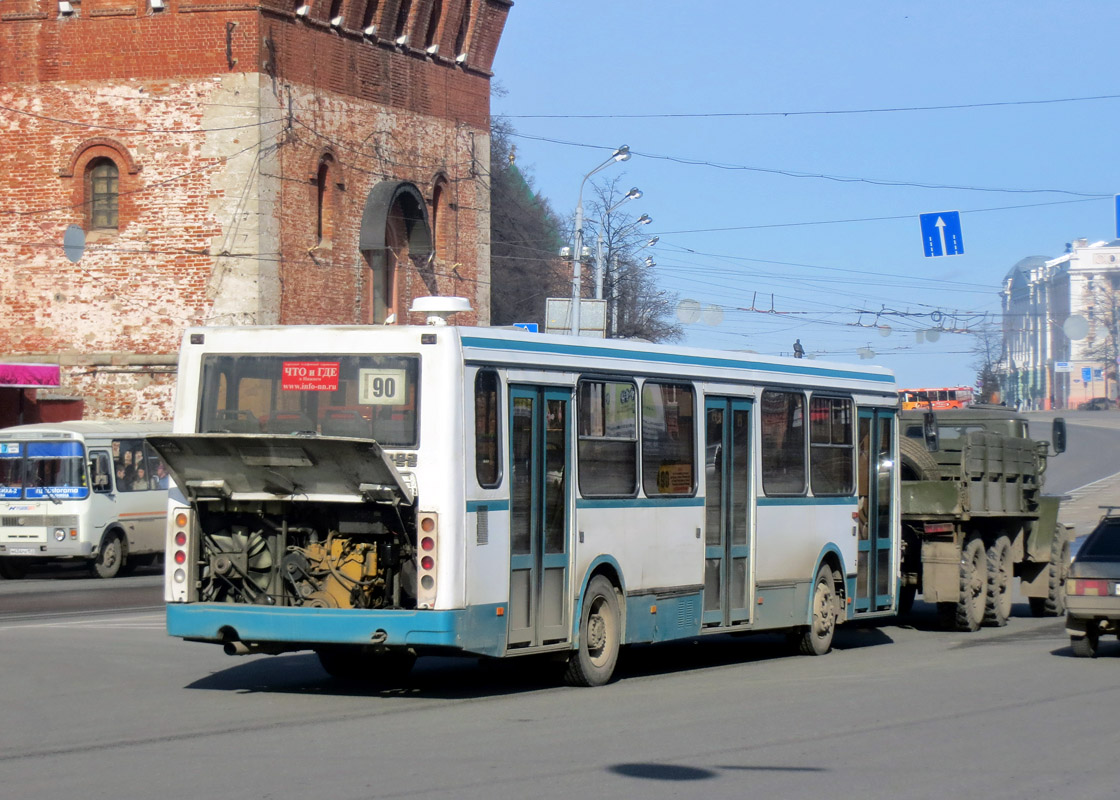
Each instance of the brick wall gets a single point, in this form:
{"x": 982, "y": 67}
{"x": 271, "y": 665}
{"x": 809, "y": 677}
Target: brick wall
{"x": 219, "y": 117}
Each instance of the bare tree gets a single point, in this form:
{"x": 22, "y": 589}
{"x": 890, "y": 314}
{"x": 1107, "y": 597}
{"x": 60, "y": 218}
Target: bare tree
{"x": 637, "y": 308}
{"x": 987, "y": 351}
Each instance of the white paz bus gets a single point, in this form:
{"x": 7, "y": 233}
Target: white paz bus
{"x": 378, "y": 493}
{"x": 81, "y": 491}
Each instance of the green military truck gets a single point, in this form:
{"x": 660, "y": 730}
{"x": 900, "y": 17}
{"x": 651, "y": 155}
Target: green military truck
{"x": 974, "y": 516}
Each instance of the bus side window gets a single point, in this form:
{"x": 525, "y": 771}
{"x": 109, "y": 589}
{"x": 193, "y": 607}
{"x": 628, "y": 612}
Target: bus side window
{"x": 100, "y": 468}
{"x": 487, "y": 459}
{"x": 608, "y": 439}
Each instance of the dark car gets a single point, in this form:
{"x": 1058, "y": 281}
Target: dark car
{"x": 1096, "y": 404}
{"x": 1093, "y": 587}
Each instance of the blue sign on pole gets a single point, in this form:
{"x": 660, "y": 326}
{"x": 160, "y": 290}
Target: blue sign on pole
{"x": 941, "y": 234}
{"x": 529, "y": 326}
{"x": 1086, "y": 374}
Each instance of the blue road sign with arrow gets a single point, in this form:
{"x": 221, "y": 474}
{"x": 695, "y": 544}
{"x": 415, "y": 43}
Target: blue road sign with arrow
{"x": 941, "y": 234}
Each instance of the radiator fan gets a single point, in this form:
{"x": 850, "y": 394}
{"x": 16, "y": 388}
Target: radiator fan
{"x": 238, "y": 566}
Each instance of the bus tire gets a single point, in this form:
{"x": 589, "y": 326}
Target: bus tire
{"x": 816, "y": 639}
{"x": 997, "y": 599}
{"x": 110, "y": 556}
{"x": 600, "y": 636}
{"x": 968, "y": 612}
{"x": 12, "y": 568}
{"x": 1054, "y": 604}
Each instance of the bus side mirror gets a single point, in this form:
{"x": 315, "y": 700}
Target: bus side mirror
{"x": 929, "y": 432}
{"x": 1058, "y": 435}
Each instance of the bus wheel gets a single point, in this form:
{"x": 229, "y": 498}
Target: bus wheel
{"x": 997, "y": 602}
{"x": 12, "y": 569}
{"x": 110, "y": 558}
{"x": 600, "y": 636}
{"x": 816, "y": 640}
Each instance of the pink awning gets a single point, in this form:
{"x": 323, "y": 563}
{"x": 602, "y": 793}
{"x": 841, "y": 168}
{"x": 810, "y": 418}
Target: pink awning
{"x": 29, "y": 376}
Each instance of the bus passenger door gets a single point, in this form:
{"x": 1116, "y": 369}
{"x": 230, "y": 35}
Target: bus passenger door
{"x": 727, "y": 511}
{"x": 539, "y": 502}
{"x": 875, "y": 479}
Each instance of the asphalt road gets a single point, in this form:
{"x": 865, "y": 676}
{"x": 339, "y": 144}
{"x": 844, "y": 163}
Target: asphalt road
{"x": 100, "y": 703}
{"x": 107, "y": 706}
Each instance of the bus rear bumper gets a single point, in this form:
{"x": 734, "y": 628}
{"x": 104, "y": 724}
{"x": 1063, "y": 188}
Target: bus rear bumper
{"x": 480, "y": 629}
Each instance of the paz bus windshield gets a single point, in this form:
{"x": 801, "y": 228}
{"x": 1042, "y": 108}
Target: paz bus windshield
{"x": 43, "y": 470}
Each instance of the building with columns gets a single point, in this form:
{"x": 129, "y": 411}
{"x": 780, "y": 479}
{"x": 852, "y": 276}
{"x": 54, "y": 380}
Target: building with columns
{"x": 1061, "y": 322}
{"x": 230, "y": 163}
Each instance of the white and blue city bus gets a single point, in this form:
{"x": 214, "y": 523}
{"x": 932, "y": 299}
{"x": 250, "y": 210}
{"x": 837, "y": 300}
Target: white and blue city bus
{"x": 377, "y": 493}
{"x": 87, "y": 491}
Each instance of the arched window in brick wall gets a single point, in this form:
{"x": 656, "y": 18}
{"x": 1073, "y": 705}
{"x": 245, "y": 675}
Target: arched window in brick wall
{"x": 394, "y": 238}
{"x": 324, "y": 217}
{"x": 431, "y": 34}
{"x": 442, "y": 237}
{"x": 102, "y": 192}
{"x": 336, "y": 12}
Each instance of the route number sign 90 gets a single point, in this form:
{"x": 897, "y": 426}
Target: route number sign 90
{"x": 382, "y": 387}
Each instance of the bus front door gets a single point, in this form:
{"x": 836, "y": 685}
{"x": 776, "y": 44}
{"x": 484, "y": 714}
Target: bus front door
{"x": 877, "y": 522}
{"x": 727, "y": 511}
{"x": 539, "y": 508}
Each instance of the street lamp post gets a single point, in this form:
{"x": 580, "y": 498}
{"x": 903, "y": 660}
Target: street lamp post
{"x": 621, "y": 154}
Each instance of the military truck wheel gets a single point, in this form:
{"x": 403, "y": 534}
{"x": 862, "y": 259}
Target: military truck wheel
{"x": 997, "y": 600}
{"x": 1054, "y": 604}
{"x": 968, "y": 612}
{"x": 918, "y": 464}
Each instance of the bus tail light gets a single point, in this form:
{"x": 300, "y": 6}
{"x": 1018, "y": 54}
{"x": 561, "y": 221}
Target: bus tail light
{"x": 178, "y": 535}
{"x": 427, "y": 560}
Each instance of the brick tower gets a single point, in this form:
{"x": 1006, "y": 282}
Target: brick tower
{"x": 259, "y": 162}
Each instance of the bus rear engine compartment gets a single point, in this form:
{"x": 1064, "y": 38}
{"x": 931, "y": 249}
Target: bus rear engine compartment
{"x": 318, "y": 556}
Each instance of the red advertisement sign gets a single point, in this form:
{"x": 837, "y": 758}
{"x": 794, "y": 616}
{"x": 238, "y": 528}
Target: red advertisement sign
{"x": 310, "y": 376}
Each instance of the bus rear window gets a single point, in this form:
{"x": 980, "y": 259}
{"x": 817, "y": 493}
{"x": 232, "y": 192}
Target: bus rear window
{"x": 359, "y": 396}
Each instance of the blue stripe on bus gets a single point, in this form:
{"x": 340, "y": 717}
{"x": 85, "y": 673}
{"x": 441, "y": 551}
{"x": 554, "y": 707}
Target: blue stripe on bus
{"x": 478, "y": 629}
{"x": 473, "y": 506}
{"x": 807, "y": 501}
{"x": 670, "y": 358}
{"x": 640, "y": 502}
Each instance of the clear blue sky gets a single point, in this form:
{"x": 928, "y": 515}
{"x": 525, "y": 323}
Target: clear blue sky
{"x": 731, "y": 224}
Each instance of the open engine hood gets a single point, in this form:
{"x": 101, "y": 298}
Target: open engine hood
{"x": 256, "y": 466}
